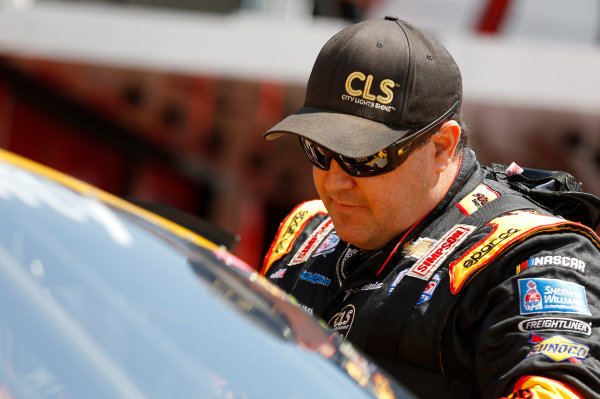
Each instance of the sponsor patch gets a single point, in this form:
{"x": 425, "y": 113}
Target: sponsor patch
{"x": 366, "y": 287}
{"x": 341, "y": 322}
{"x": 277, "y": 274}
{"x": 306, "y": 309}
{"x": 555, "y": 260}
{"x": 558, "y": 348}
{"x": 312, "y": 242}
{"x": 433, "y": 259}
{"x": 289, "y": 229}
{"x": 557, "y": 324}
{"x": 427, "y": 293}
{"x": 507, "y": 231}
{"x": 514, "y": 169}
{"x": 431, "y": 286}
{"x": 538, "y": 295}
{"x": 328, "y": 245}
{"x": 416, "y": 249}
{"x": 315, "y": 278}
{"x": 397, "y": 280}
{"x": 476, "y": 199}
{"x": 358, "y": 90}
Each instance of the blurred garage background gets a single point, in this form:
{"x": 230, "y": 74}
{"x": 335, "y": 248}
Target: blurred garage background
{"x": 166, "y": 100}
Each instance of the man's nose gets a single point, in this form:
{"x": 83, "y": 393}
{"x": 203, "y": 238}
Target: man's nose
{"x": 337, "y": 178}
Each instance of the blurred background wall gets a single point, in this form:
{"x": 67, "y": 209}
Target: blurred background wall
{"x": 166, "y": 100}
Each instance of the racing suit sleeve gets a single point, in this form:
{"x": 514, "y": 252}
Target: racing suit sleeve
{"x": 536, "y": 309}
{"x": 292, "y": 229}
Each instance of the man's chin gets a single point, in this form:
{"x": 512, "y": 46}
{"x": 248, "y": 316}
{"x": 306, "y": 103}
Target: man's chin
{"x": 353, "y": 236}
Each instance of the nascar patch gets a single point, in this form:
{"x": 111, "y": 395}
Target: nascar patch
{"x": 540, "y": 295}
{"x": 507, "y": 231}
{"x": 289, "y": 229}
{"x": 476, "y": 199}
{"x": 312, "y": 242}
{"x": 566, "y": 262}
{"x": 558, "y": 348}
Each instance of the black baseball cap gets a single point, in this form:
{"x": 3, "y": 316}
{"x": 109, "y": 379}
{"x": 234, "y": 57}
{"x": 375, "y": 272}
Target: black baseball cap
{"x": 372, "y": 84}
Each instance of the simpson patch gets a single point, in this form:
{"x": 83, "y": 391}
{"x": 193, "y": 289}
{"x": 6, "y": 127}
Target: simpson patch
{"x": 433, "y": 259}
{"x": 312, "y": 242}
{"x": 507, "y": 231}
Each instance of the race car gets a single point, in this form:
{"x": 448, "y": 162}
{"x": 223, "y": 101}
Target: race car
{"x": 101, "y": 298}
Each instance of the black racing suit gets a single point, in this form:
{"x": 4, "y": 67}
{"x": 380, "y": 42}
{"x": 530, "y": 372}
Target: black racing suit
{"x": 488, "y": 296}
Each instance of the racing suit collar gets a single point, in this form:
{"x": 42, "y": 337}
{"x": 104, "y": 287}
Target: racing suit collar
{"x": 464, "y": 179}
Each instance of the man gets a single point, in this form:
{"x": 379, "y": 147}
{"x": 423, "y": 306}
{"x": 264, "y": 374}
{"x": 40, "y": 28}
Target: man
{"x": 457, "y": 284}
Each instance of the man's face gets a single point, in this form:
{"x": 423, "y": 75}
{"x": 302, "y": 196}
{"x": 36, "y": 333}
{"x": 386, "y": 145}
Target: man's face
{"x": 370, "y": 211}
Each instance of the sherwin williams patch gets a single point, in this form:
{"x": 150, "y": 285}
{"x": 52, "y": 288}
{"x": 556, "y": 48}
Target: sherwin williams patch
{"x": 540, "y": 295}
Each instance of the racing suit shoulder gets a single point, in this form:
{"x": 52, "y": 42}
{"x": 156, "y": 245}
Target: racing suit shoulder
{"x": 507, "y": 231}
{"x": 290, "y": 229}
{"x": 538, "y": 295}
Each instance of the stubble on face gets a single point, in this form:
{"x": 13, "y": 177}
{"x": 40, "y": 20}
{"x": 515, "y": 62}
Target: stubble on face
{"x": 368, "y": 212}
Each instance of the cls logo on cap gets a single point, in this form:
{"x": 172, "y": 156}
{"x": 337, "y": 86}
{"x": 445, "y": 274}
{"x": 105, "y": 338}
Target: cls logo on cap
{"x": 385, "y": 86}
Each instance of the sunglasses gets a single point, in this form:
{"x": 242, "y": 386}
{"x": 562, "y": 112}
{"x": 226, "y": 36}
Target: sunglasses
{"x": 382, "y": 162}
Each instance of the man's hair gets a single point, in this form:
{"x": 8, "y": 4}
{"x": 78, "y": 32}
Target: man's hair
{"x": 464, "y": 141}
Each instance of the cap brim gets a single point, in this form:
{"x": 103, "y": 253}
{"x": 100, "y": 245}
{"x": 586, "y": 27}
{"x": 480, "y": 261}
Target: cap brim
{"x": 348, "y": 135}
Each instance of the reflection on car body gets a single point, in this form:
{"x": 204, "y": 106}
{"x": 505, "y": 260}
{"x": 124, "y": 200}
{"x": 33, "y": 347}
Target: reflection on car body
{"x": 102, "y": 299}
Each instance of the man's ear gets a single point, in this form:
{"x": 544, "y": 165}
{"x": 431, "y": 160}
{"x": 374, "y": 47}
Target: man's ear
{"x": 445, "y": 142}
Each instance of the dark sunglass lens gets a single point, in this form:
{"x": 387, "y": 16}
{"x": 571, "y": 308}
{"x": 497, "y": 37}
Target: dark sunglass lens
{"x": 366, "y": 166}
{"x": 316, "y": 155}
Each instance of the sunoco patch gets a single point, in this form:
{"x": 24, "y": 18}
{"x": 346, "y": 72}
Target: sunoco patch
{"x": 558, "y": 348}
